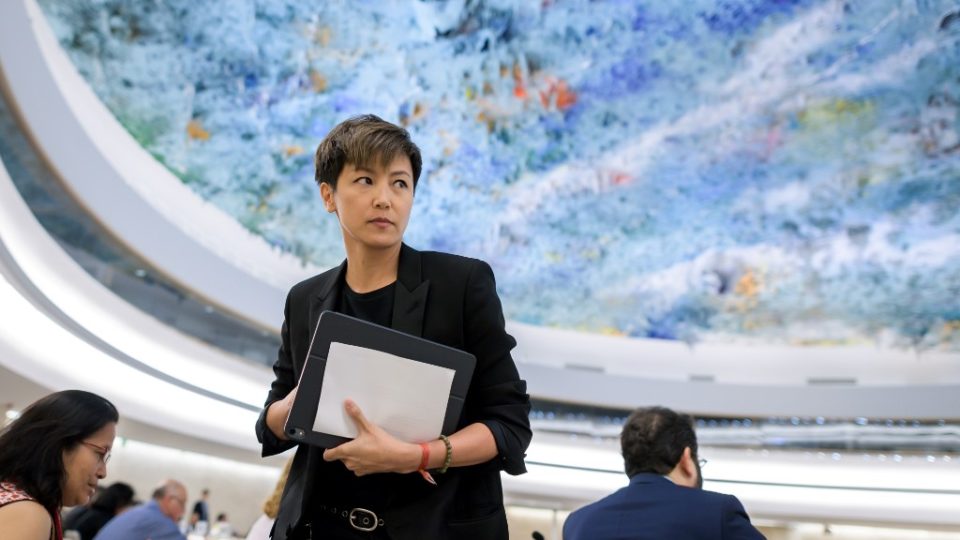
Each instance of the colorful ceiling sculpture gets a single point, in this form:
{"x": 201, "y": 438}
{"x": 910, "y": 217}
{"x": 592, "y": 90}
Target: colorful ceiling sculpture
{"x": 707, "y": 171}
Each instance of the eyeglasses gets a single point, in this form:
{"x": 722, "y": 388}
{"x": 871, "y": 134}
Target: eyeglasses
{"x": 102, "y": 453}
{"x": 702, "y": 463}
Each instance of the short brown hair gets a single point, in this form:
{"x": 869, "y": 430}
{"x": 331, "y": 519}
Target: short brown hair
{"x": 653, "y": 439}
{"x": 361, "y": 140}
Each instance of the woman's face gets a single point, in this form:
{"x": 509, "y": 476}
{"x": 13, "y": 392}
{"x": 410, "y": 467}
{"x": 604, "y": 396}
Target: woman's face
{"x": 373, "y": 203}
{"x": 86, "y": 464}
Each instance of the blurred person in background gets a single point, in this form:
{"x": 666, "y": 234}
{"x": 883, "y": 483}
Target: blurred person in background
{"x": 88, "y": 520}
{"x": 53, "y": 456}
{"x": 665, "y": 497}
{"x": 261, "y": 528}
{"x": 221, "y": 527}
{"x": 155, "y": 520}
{"x": 201, "y": 512}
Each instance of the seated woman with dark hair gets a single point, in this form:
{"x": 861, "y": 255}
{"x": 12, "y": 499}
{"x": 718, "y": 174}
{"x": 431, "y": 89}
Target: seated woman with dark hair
{"x": 51, "y": 457}
{"x": 88, "y": 520}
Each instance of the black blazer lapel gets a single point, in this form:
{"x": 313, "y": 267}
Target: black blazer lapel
{"x": 326, "y": 299}
{"x": 410, "y": 294}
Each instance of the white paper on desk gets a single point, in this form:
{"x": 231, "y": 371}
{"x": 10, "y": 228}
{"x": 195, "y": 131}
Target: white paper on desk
{"x": 408, "y": 399}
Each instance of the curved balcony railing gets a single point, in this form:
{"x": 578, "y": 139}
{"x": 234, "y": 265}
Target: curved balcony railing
{"x": 114, "y": 265}
{"x": 874, "y": 436}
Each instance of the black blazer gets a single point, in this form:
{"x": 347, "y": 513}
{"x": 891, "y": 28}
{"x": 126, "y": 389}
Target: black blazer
{"x": 450, "y": 300}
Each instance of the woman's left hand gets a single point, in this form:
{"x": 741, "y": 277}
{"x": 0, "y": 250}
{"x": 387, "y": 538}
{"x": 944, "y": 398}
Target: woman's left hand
{"x": 374, "y": 450}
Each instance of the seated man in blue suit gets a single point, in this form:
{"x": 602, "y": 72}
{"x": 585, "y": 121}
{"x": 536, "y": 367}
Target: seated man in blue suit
{"x": 665, "y": 499}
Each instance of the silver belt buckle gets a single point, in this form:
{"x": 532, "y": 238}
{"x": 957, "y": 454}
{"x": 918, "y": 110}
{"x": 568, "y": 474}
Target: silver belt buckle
{"x": 362, "y": 519}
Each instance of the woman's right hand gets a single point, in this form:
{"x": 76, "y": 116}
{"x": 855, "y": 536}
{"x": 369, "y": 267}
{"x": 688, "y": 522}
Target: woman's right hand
{"x": 278, "y": 412}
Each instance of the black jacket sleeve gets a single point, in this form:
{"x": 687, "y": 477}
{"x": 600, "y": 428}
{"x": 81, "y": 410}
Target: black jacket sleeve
{"x": 497, "y": 397}
{"x": 283, "y": 383}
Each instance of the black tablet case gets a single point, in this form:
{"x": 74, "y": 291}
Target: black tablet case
{"x": 337, "y": 327}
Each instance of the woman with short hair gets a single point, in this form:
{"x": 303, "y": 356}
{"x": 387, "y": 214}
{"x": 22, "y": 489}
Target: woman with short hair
{"x": 377, "y": 486}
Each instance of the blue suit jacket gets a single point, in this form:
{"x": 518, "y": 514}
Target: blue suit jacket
{"x": 145, "y": 522}
{"x": 652, "y": 507}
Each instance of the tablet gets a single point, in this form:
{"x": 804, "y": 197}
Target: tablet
{"x": 411, "y": 387}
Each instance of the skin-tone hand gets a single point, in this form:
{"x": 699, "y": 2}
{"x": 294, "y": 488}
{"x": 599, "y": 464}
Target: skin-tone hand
{"x": 373, "y": 450}
{"x": 278, "y": 412}
{"x": 376, "y": 451}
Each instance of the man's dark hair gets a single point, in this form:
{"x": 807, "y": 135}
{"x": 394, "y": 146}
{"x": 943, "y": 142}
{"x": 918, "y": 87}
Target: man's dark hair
{"x": 32, "y": 447}
{"x": 360, "y": 141}
{"x": 653, "y": 440}
{"x": 116, "y": 497}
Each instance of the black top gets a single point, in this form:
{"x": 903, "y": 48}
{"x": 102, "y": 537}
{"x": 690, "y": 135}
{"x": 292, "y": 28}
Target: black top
{"x": 200, "y": 509}
{"x": 365, "y": 491}
{"x": 374, "y": 306}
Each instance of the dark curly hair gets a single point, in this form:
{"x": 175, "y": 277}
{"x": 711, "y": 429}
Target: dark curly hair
{"x": 32, "y": 447}
{"x": 360, "y": 141}
{"x": 653, "y": 440}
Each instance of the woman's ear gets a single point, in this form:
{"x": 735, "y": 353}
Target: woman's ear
{"x": 326, "y": 192}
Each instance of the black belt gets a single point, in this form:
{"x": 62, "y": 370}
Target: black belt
{"x": 360, "y": 519}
